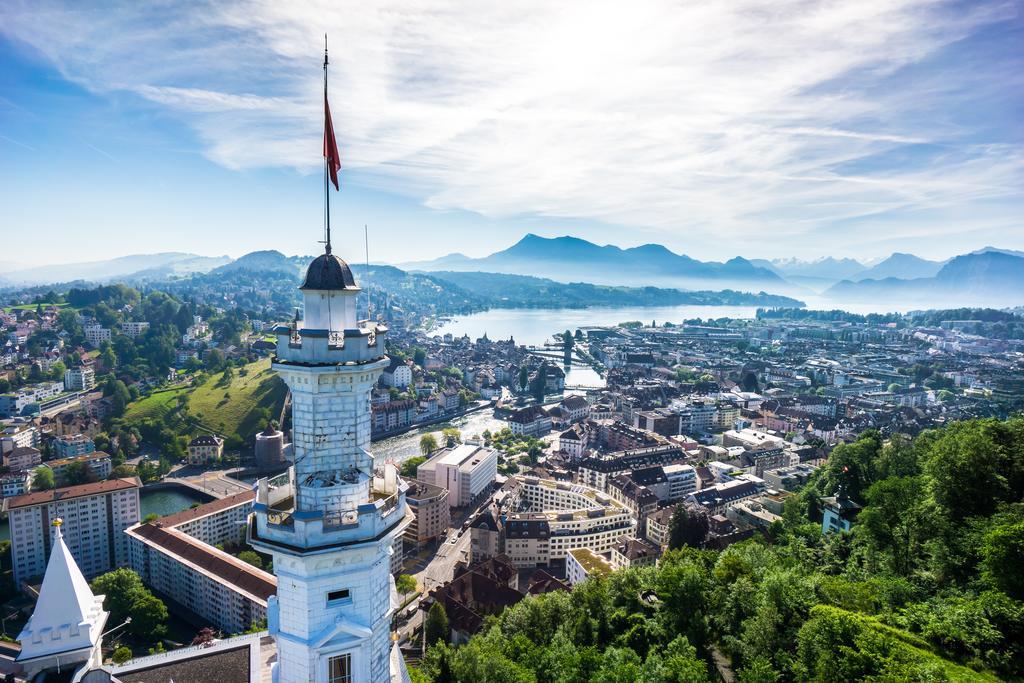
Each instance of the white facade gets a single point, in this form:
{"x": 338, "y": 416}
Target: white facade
{"x": 332, "y": 520}
{"x": 96, "y": 334}
{"x": 79, "y": 379}
{"x": 465, "y": 471}
{"x": 134, "y": 329}
{"x": 95, "y": 517}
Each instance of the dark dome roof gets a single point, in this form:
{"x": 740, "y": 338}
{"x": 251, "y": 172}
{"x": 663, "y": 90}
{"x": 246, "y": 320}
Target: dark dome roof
{"x": 327, "y": 271}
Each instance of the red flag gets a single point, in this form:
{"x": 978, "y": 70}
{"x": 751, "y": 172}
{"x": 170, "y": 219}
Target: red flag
{"x": 330, "y": 145}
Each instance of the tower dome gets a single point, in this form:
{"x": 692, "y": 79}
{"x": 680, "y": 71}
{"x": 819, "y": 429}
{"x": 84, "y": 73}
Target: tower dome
{"x": 328, "y": 272}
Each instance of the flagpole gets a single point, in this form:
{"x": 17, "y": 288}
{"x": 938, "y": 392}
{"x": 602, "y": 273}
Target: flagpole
{"x": 327, "y": 193}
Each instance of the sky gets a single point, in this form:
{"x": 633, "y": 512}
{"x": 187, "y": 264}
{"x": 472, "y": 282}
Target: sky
{"x": 791, "y": 128}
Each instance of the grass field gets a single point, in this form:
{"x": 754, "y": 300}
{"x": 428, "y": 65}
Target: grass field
{"x": 155, "y": 406}
{"x": 32, "y": 307}
{"x": 239, "y": 406}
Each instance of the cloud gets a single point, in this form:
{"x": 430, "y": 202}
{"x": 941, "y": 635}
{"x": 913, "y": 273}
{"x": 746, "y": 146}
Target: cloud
{"x": 725, "y": 118}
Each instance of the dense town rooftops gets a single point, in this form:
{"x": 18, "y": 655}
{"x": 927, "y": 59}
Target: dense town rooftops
{"x": 71, "y": 492}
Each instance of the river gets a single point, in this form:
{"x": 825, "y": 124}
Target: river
{"x": 405, "y": 446}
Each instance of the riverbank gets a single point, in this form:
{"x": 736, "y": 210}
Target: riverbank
{"x": 429, "y": 423}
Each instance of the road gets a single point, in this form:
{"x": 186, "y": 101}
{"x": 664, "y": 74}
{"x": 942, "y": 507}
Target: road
{"x": 214, "y": 482}
{"x": 433, "y": 572}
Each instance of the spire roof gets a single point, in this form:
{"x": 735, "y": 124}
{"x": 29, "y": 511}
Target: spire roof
{"x": 66, "y": 605}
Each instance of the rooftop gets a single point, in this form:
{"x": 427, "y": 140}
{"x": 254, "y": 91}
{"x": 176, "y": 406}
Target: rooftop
{"x": 71, "y": 492}
{"x": 179, "y": 518}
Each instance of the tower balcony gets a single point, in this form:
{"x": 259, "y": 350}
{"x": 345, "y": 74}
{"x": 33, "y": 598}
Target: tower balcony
{"x": 326, "y": 512}
{"x": 302, "y": 346}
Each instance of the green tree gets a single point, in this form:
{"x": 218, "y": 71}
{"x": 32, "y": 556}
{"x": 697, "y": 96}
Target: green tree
{"x": 419, "y": 356}
{"x": 79, "y": 473}
{"x": 452, "y": 436}
{"x": 405, "y": 583}
{"x": 42, "y": 478}
{"x": 688, "y": 527}
{"x": 126, "y": 596}
{"x": 1002, "y": 555}
{"x": 251, "y": 557}
{"x": 121, "y": 655}
{"x": 524, "y": 377}
{"x": 150, "y": 518}
{"x": 428, "y": 444}
{"x": 410, "y": 466}
{"x": 435, "y": 629}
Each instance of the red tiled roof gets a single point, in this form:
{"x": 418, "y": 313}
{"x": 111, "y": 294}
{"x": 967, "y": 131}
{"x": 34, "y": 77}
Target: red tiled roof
{"x": 179, "y": 518}
{"x": 69, "y": 492}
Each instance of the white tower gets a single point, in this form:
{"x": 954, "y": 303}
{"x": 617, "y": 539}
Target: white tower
{"x": 331, "y": 520}
{"x": 65, "y": 629}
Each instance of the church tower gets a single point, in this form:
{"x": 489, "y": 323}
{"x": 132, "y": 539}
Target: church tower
{"x": 331, "y": 520}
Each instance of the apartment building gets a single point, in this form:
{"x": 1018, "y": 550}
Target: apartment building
{"x": 432, "y": 514}
{"x": 465, "y": 470}
{"x": 99, "y": 462}
{"x": 95, "y": 516}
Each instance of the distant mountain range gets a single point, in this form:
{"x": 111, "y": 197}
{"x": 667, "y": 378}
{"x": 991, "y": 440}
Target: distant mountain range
{"x": 137, "y": 266}
{"x": 994, "y": 278}
{"x": 988, "y": 276}
{"x": 571, "y": 259}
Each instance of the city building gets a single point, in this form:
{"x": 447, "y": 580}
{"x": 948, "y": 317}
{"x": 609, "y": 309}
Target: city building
{"x": 98, "y": 462}
{"x": 134, "y": 329}
{"x": 530, "y": 421}
{"x": 838, "y": 511}
{"x": 582, "y": 563}
{"x": 72, "y": 445}
{"x": 96, "y": 335}
{"x": 79, "y": 379}
{"x": 432, "y": 516}
{"x": 15, "y": 483}
{"x": 332, "y": 521}
{"x": 558, "y": 517}
{"x": 397, "y": 374}
{"x": 219, "y": 521}
{"x": 634, "y": 552}
{"x": 466, "y": 471}
{"x": 205, "y": 448}
{"x": 22, "y": 458}
{"x": 95, "y": 517}
{"x": 229, "y": 593}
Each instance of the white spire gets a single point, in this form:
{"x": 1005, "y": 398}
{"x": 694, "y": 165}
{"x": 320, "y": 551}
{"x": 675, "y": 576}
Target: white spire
{"x": 66, "y": 606}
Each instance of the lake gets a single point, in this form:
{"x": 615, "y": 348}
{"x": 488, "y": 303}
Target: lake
{"x": 163, "y": 502}
{"x": 534, "y": 326}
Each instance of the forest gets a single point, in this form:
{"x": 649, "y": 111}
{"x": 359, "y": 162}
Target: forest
{"x": 926, "y": 586}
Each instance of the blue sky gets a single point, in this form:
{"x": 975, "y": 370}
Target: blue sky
{"x": 790, "y": 128}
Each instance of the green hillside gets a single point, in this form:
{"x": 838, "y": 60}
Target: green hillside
{"x": 238, "y": 406}
{"x": 235, "y": 403}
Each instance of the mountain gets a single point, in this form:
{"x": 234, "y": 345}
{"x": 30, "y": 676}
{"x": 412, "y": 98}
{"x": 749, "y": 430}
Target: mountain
{"x": 120, "y": 267}
{"x": 989, "y": 278}
{"x": 571, "y": 259}
{"x": 827, "y": 268}
{"x": 268, "y": 261}
{"x": 902, "y": 266}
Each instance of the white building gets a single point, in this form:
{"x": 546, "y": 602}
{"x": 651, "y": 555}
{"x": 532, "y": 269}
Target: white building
{"x": 96, "y": 334}
{"x": 95, "y": 516}
{"x": 561, "y": 518}
{"x": 332, "y": 520}
{"x": 134, "y": 329}
{"x": 228, "y": 592}
{"x": 465, "y": 470}
{"x": 79, "y": 379}
{"x": 397, "y": 374}
{"x": 581, "y": 564}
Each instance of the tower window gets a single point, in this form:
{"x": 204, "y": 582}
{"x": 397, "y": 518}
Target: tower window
{"x": 339, "y": 669}
{"x": 339, "y": 597}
